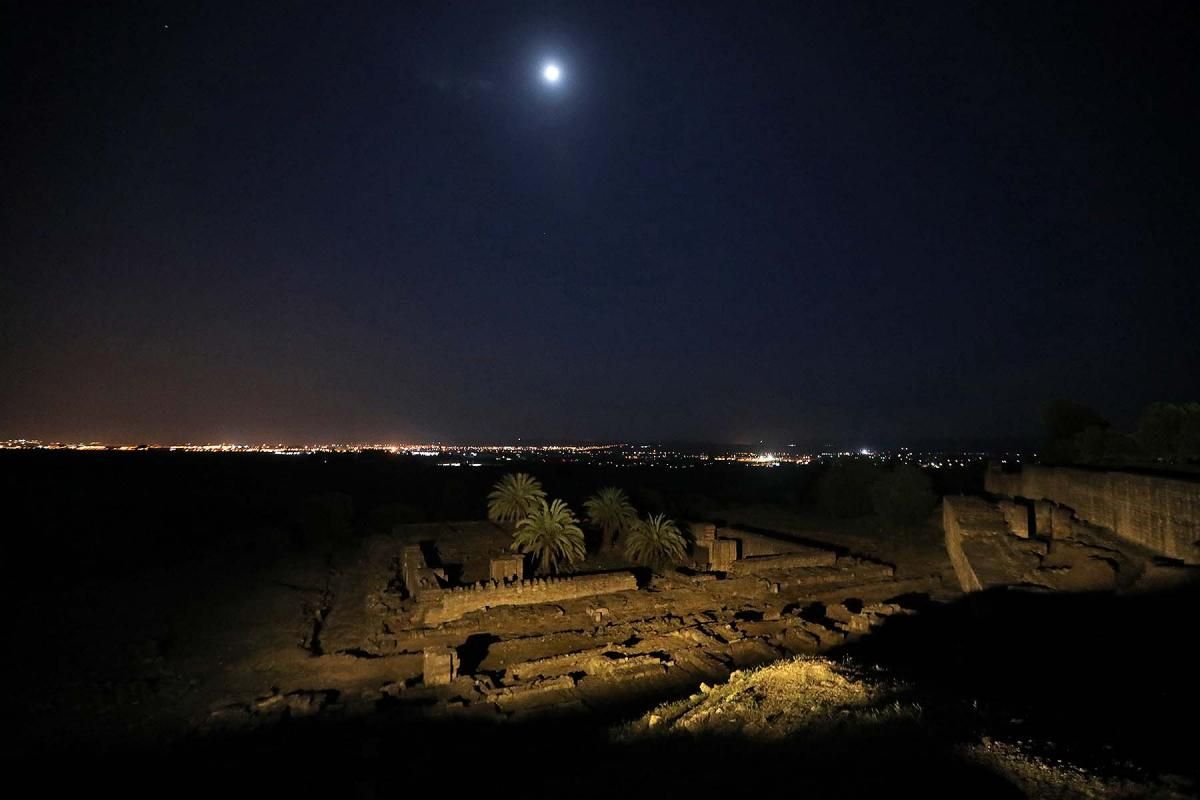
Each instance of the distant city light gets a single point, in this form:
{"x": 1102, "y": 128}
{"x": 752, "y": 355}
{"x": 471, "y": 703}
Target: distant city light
{"x": 611, "y": 454}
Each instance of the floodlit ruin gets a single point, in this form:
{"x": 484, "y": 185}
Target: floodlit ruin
{"x": 446, "y": 619}
{"x": 447, "y": 610}
{"x": 1074, "y": 530}
{"x": 776, "y": 625}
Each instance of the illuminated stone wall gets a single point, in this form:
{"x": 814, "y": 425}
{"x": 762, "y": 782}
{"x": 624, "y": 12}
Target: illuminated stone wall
{"x": 810, "y": 557}
{"x": 506, "y": 568}
{"x": 450, "y": 604}
{"x": 752, "y": 545}
{"x": 1162, "y": 514}
{"x": 954, "y": 509}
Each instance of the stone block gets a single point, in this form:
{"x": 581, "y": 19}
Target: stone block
{"x": 838, "y": 612}
{"x": 795, "y": 640}
{"x": 716, "y": 555}
{"x": 506, "y": 568}
{"x": 752, "y": 652}
{"x": 412, "y": 561}
{"x": 549, "y": 692}
{"x": 1016, "y": 515}
{"x": 884, "y": 609}
{"x": 440, "y": 666}
{"x": 1043, "y": 516}
{"x": 721, "y": 554}
{"x": 1061, "y": 522}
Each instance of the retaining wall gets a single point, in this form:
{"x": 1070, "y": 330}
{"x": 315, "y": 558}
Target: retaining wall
{"x": 450, "y": 604}
{"x": 1160, "y": 513}
{"x": 753, "y": 545}
{"x": 953, "y": 509}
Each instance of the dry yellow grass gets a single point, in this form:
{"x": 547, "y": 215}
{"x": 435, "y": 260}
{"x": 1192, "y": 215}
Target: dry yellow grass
{"x": 814, "y": 701}
{"x": 777, "y": 701}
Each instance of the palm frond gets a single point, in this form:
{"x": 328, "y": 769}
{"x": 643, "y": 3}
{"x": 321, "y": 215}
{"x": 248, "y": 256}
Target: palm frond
{"x": 610, "y": 510}
{"x": 514, "y": 496}
{"x": 551, "y": 534}
{"x": 655, "y": 542}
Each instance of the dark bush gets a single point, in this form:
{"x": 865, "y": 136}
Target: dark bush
{"x": 845, "y": 488}
{"x": 384, "y": 518}
{"x": 1170, "y": 431}
{"x": 1064, "y": 422}
{"x": 1105, "y": 446}
{"x": 325, "y": 519}
{"x": 903, "y": 496}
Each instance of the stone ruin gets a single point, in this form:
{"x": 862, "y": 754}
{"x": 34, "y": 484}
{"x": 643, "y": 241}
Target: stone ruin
{"x": 716, "y": 555}
{"x": 561, "y": 643}
{"x": 455, "y": 603}
{"x": 1018, "y": 541}
{"x": 439, "y": 666}
{"x": 437, "y": 603}
{"x": 734, "y": 549}
{"x": 506, "y": 568}
{"x": 1159, "y": 513}
{"x": 574, "y": 642}
{"x": 703, "y": 532}
{"x": 417, "y": 576}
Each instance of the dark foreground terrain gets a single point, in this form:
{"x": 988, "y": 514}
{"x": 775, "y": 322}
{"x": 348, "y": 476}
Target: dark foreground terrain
{"x": 995, "y": 696}
{"x": 130, "y": 582}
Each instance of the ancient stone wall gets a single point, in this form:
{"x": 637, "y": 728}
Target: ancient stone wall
{"x": 752, "y": 545}
{"x": 411, "y": 563}
{"x": 1162, "y": 514}
{"x": 506, "y": 568}
{"x": 811, "y": 557}
{"x": 703, "y": 532}
{"x": 1016, "y": 514}
{"x": 439, "y": 666}
{"x": 716, "y": 555}
{"x": 450, "y": 604}
{"x": 953, "y": 509}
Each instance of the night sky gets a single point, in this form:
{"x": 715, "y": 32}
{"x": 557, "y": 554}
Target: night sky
{"x": 813, "y": 222}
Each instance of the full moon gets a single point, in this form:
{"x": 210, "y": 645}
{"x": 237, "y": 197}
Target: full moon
{"x": 551, "y": 73}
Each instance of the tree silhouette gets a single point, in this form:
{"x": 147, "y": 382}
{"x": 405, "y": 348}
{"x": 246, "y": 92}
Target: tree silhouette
{"x": 844, "y": 489}
{"x": 610, "y": 511}
{"x": 551, "y": 534}
{"x": 1065, "y": 420}
{"x": 1170, "y": 431}
{"x": 655, "y": 542}
{"x": 903, "y": 496}
{"x": 514, "y": 496}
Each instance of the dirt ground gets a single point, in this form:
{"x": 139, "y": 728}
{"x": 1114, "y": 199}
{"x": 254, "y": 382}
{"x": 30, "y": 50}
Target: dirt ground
{"x": 146, "y": 658}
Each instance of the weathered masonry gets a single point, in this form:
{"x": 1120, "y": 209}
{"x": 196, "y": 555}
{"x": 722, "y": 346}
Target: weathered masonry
{"x": 1160, "y": 513}
{"x": 444, "y": 605}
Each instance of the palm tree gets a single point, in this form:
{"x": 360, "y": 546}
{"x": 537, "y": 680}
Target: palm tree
{"x": 610, "y": 511}
{"x": 514, "y": 496}
{"x": 655, "y": 542}
{"x": 551, "y": 534}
